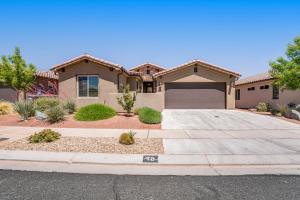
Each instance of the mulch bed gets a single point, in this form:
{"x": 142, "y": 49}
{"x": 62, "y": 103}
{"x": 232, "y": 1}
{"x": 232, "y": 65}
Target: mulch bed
{"x": 119, "y": 121}
{"x": 91, "y": 145}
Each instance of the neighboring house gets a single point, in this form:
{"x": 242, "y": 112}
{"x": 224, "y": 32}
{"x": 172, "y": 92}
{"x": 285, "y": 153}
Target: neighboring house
{"x": 259, "y": 88}
{"x": 195, "y": 84}
{"x": 46, "y": 84}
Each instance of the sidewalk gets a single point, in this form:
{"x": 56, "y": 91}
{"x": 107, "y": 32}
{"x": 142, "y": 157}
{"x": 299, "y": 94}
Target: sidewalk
{"x": 187, "y": 152}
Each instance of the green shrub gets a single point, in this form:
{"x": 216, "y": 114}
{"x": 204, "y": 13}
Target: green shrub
{"x": 70, "y": 106}
{"x": 5, "y": 108}
{"x": 274, "y": 111}
{"x": 44, "y": 103}
{"x": 127, "y": 138}
{"x": 94, "y": 112}
{"x": 263, "y": 107}
{"x": 149, "y": 116}
{"x": 25, "y": 108}
{"x": 46, "y": 135}
{"x": 55, "y": 114}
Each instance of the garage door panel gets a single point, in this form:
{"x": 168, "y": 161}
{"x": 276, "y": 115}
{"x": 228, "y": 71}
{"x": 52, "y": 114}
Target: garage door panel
{"x": 195, "y": 95}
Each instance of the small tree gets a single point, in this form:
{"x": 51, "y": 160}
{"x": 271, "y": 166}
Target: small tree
{"x": 127, "y": 99}
{"x": 14, "y": 72}
{"x": 287, "y": 71}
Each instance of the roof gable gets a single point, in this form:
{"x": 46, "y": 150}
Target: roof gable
{"x": 89, "y": 58}
{"x": 200, "y": 63}
{"x": 147, "y": 64}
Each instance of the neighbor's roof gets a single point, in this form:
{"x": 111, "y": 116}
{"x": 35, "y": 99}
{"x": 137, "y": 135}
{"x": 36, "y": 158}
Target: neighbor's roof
{"x": 148, "y": 64}
{"x": 87, "y": 57}
{"x": 200, "y": 62}
{"x": 256, "y": 78}
{"x": 47, "y": 74}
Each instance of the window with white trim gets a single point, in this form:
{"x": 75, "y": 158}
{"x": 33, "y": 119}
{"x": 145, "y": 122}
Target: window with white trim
{"x": 88, "y": 85}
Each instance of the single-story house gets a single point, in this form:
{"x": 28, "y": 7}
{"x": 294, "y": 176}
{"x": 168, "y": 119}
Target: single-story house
{"x": 193, "y": 85}
{"x": 259, "y": 88}
{"x": 46, "y": 84}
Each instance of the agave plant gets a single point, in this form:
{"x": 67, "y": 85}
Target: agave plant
{"x": 25, "y": 108}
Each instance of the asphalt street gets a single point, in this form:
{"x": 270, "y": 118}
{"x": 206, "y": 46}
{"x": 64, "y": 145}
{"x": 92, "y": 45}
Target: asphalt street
{"x": 53, "y": 186}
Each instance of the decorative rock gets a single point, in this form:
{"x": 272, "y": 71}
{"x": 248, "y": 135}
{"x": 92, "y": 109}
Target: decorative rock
{"x": 40, "y": 116}
{"x": 294, "y": 114}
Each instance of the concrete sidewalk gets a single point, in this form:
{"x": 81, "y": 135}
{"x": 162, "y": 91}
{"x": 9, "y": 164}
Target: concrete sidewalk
{"x": 95, "y": 163}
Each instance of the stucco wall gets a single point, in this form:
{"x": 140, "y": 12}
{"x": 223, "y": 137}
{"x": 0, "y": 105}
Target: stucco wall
{"x": 8, "y": 94}
{"x": 152, "y": 100}
{"x": 249, "y": 99}
{"x": 203, "y": 75}
{"x": 108, "y": 82}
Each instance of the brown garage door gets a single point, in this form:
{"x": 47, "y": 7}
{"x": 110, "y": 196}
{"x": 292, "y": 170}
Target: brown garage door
{"x": 195, "y": 95}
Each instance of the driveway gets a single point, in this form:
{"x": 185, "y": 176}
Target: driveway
{"x": 210, "y": 119}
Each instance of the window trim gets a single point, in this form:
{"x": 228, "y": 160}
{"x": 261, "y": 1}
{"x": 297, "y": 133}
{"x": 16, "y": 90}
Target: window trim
{"x": 87, "y": 75}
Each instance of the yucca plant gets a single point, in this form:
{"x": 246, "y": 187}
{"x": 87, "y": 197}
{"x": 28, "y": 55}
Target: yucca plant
{"x": 25, "y": 108}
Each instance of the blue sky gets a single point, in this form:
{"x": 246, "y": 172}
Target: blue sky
{"x": 240, "y": 35}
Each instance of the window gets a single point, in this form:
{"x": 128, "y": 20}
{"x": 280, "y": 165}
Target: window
{"x": 251, "y": 88}
{"x": 148, "y": 71}
{"x": 88, "y": 86}
{"x": 195, "y": 69}
{"x": 237, "y": 94}
{"x": 275, "y": 92}
{"x": 262, "y": 87}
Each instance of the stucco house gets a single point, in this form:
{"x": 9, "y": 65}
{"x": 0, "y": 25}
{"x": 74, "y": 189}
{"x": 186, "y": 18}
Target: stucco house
{"x": 259, "y": 88}
{"x": 196, "y": 84}
{"x": 46, "y": 84}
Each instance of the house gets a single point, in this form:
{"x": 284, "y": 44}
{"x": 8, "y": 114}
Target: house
{"x": 46, "y": 84}
{"x": 259, "y": 88}
{"x": 196, "y": 84}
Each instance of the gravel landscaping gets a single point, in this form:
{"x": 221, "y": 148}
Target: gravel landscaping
{"x": 91, "y": 145}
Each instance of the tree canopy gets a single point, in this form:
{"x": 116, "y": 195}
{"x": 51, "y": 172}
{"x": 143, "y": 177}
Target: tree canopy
{"x": 286, "y": 71}
{"x": 14, "y": 72}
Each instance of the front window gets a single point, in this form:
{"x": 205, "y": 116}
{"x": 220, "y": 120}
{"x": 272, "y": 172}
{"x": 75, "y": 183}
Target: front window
{"x": 237, "y": 94}
{"x": 88, "y": 86}
{"x": 275, "y": 92}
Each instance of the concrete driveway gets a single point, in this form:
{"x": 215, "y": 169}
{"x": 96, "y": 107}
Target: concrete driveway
{"x": 210, "y": 119}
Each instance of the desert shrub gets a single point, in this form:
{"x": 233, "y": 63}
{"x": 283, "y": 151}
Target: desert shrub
{"x": 25, "y": 108}
{"x": 149, "y": 116}
{"x": 44, "y": 103}
{"x": 127, "y": 99}
{"x": 55, "y": 114}
{"x": 127, "y": 138}
{"x": 46, "y": 135}
{"x": 283, "y": 110}
{"x": 263, "y": 107}
{"x": 94, "y": 112}
{"x": 274, "y": 111}
{"x": 136, "y": 111}
{"x": 5, "y": 108}
{"x": 70, "y": 106}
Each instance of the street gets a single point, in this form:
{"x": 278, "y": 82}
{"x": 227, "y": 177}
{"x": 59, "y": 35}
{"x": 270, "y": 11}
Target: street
{"x": 41, "y": 185}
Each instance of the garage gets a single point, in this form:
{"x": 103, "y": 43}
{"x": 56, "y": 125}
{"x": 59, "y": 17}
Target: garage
{"x": 195, "y": 95}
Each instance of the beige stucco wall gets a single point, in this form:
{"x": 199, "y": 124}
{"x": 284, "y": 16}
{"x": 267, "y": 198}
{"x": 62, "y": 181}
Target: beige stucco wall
{"x": 249, "y": 99}
{"x": 108, "y": 82}
{"x": 152, "y": 100}
{"x": 203, "y": 75}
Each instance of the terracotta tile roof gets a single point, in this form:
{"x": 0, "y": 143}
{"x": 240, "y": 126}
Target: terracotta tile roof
{"x": 147, "y": 78}
{"x": 256, "y": 78}
{"x": 148, "y": 64}
{"x": 47, "y": 74}
{"x": 200, "y": 62}
{"x": 86, "y": 57}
